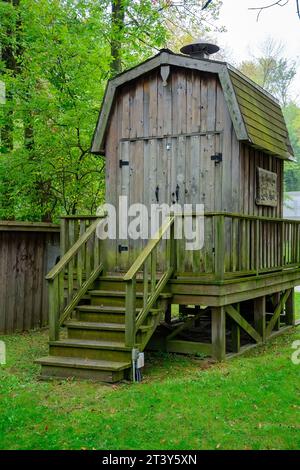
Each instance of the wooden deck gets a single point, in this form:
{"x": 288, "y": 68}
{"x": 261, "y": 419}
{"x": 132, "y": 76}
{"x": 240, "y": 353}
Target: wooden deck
{"x": 247, "y": 295}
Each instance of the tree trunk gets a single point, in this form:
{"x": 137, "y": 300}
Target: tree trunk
{"x": 8, "y": 56}
{"x": 117, "y": 26}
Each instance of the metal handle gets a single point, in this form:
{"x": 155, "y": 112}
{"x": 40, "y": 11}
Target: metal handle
{"x": 177, "y": 192}
{"x": 157, "y": 193}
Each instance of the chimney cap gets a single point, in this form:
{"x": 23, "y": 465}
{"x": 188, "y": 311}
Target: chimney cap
{"x": 200, "y": 49}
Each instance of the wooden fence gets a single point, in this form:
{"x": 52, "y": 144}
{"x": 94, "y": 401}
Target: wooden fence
{"x": 27, "y": 253}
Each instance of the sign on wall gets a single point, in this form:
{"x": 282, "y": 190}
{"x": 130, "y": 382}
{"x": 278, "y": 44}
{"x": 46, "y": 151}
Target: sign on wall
{"x": 266, "y": 188}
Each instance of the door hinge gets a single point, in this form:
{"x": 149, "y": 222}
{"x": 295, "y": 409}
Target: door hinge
{"x": 217, "y": 158}
{"x": 123, "y": 163}
{"x": 122, "y": 248}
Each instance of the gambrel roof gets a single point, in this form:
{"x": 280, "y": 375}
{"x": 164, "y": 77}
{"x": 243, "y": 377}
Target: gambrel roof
{"x": 256, "y": 115}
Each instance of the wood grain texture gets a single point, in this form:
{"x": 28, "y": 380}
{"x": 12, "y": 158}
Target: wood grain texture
{"x": 26, "y": 257}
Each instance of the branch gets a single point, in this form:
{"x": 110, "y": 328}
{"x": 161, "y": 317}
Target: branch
{"x": 206, "y": 4}
{"x": 277, "y": 3}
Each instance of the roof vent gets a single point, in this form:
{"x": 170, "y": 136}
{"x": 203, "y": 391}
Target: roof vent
{"x": 200, "y": 49}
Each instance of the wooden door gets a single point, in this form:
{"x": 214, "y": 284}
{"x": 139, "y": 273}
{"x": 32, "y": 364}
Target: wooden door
{"x": 166, "y": 171}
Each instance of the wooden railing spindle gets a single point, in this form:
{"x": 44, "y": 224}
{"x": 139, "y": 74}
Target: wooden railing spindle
{"x": 219, "y": 246}
{"x": 130, "y": 307}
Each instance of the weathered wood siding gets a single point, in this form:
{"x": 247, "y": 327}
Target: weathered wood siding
{"x": 26, "y": 255}
{"x": 168, "y": 134}
{"x": 190, "y": 104}
{"x": 250, "y": 159}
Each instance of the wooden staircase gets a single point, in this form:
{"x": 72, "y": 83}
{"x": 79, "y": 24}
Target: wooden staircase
{"x": 105, "y": 316}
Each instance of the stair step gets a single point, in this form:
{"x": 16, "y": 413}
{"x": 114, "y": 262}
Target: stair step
{"x": 88, "y": 369}
{"x": 85, "y": 343}
{"x": 109, "y": 309}
{"x": 90, "y": 325}
{"x": 117, "y": 293}
{"x": 101, "y": 313}
{"x": 112, "y": 293}
{"x": 96, "y": 330}
{"x": 77, "y": 362}
{"x": 108, "y": 349}
{"x": 102, "y": 308}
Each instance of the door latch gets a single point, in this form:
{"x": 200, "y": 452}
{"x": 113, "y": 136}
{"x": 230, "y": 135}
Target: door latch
{"x": 123, "y": 163}
{"x": 122, "y": 248}
{"x": 177, "y": 192}
{"x": 157, "y": 193}
{"x": 217, "y": 158}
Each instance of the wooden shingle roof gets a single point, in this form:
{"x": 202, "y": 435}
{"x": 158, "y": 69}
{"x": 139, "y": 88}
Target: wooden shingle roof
{"x": 256, "y": 115}
{"x": 262, "y": 115}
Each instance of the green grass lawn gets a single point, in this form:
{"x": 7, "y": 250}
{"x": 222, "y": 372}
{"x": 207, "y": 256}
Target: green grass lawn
{"x": 250, "y": 402}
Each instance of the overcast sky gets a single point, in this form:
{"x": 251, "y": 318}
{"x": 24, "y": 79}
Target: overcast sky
{"x": 245, "y": 34}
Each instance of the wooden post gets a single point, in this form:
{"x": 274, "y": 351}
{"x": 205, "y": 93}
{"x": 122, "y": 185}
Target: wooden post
{"x": 236, "y": 335}
{"x": 257, "y": 246}
{"x": 130, "y": 313}
{"x": 145, "y": 283}
{"x": 219, "y": 247}
{"x": 153, "y": 257}
{"x": 62, "y": 237}
{"x": 290, "y": 314}
{"x": 53, "y": 290}
{"x": 260, "y": 316}
{"x": 276, "y": 298}
{"x": 218, "y": 331}
{"x": 171, "y": 248}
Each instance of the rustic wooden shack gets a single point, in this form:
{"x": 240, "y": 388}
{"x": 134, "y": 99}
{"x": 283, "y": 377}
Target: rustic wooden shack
{"x": 181, "y": 128}
{"x": 28, "y": 250}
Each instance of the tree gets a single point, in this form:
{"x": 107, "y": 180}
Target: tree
{"x": 69, "y": 49}
{"x": 277, "y": 3}
{"x": 272, "y": 70}
{"x": 292, "y": 170}
{"x": 275, "y": 73}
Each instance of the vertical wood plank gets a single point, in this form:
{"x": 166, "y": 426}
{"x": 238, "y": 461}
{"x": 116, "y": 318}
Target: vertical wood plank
{"x": 153, "y": 105}
{"x": 260, "y": 316}
{"x": 219, "y": 246}
{"x": 53, "y": 310}
{"x": 290, "y": 313}
{"x": 218, "y": 333}
{"x": 130, "y": 306}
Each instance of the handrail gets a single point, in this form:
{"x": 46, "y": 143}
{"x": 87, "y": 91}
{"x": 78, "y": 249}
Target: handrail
{"x": 151, "y": 292}
{"x": 236, "y": 215}
{"x": 83, "y": 261}
{"x": 80, "y": 217}
{"x": 138, "y": 263}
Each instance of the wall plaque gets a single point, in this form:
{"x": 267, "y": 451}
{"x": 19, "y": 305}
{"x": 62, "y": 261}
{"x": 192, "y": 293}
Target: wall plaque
{"x": 266, "y": 188}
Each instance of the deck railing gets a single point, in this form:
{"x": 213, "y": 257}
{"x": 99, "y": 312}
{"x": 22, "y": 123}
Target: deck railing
{"x": 240, "y": 245}
{"x": 71, "y": 228}
{"x": 235, "y": 245}
{"x": 254, "y": 244}
{"x": 72, "y": 276}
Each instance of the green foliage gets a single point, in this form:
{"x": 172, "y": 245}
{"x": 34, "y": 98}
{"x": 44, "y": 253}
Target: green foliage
{"x": 56, "y": 60}
{"x": 275, "y": 73}
{"x": 58, "y": 88}
{"x": 292, "y": 170}
{"x": 271, "y": 70}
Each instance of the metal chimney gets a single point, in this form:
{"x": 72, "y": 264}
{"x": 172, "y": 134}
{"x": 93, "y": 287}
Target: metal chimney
{"x": 200, "y": 49}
